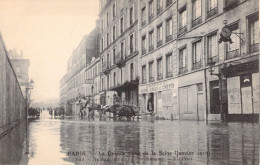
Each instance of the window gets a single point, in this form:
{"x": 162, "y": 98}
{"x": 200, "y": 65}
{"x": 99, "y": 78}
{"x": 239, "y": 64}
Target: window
{"x": 114, "y": 33}
{"x": 159, "y": 6}
{"x": 151, "y": 77}
{"x": 102, "y": 25}
{"x": 114, "y": 55}
{"x": 151, "y": 47}
{"x": 169, "y": 65}
{"x": 159, "y": 69}
{"x": 151, "y": 10}
{"x": 233, "y": 50}
{"x": 212, "y": 48}
{"x": 212, "y": 8}
{"x": 131, "y": 43}
{"x": 132, "y": 71}
{"x": 122, "y": 25}
{"x": 102, "y": 44}
{"x": 131, "y": 19}
{"x": 183, "y": 20}
{"x": 196, "y": 55}
{"x": 114, "y": 78}
{"x": 108, "y": 60}
{"x": 196, "y": 12}
{"x": 229, "y": 4}
{"x": 108, "y": 81}
{"x": 253, "y": 34}
{"x": 168, "y": 29}
{"x": 107, "y": 39}
{"x": 168, "y": 3}
{"x": 144, "y": 44}
{"x": 114, "y": 10}
{"x": 159, "y": 35}
{"x": 144, "y": 81}
{"x": 143, "y": 17}
{"x": 122, "y": 50}
{"x": 183, "y": 61}
{"x": 107, "y": 18}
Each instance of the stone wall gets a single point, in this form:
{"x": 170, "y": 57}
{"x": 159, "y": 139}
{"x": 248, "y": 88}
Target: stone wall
{"x": 12, "y": 102}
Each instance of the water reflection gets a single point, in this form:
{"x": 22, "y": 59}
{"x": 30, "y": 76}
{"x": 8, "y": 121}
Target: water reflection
{"x": 76, "y": 141}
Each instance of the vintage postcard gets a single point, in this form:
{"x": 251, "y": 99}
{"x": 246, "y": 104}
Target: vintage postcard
{"x": 129, "y": 82}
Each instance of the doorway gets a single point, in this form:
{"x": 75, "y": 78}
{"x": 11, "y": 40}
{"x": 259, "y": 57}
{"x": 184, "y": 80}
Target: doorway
{"x": 214, "y": 97}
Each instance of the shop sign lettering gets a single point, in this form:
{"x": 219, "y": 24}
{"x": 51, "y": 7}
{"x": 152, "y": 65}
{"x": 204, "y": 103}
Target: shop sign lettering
{"x": 155, "y": 87}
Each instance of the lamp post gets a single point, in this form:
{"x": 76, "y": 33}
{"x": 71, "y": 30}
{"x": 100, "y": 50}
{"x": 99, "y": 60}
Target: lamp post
{"x": 28, "y": 95}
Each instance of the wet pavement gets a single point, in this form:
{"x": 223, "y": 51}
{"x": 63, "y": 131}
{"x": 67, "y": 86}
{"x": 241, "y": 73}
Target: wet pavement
{"x": 49, "y": 140}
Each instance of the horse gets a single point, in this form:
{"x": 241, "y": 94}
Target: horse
{"x": 123, "y": 111}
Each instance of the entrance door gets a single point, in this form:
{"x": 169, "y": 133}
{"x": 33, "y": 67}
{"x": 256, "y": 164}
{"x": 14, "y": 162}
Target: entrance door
{"x": 201, "y": 106}
{"x": 214, "y": 97}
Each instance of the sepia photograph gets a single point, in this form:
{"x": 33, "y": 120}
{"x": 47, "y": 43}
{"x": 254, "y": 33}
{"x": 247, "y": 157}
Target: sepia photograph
{"x": 172, "y": 82}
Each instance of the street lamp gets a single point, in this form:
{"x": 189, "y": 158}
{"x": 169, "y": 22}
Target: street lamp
{"x": 29, "y": 87}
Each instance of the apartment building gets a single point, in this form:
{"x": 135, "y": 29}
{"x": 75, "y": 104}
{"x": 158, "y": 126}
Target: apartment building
{"x": 158, "y": 57}
{"x": 118, "y": 51}
{"x": 218, "y": 79}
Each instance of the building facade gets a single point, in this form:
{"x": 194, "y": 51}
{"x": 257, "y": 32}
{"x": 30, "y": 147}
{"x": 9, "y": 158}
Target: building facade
{"x": 158, "y": 57}
{"x": 119, "y": 51}
{"x": 73, "y": 84}
{"x": 218, "y": 79}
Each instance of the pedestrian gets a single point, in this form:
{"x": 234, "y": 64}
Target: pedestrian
{"x": 150, "y": 104}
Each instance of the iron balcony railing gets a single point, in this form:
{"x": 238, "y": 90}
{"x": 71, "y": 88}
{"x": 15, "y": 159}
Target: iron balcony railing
{"x": 169, "y": 38}
{"x": 182, "y": 30}
{"x": 159, "y": 43}
{"x": 254, "y": 48}
{"x": 151, "y": 47}
{"x": 196, "y": 21}
{"x": 183, "y": 70}
{"x": 233, "y": 54}
{"x": 151, "y": 79}
{"x": 196, "y": 65}
{"x": 212, "y": 12}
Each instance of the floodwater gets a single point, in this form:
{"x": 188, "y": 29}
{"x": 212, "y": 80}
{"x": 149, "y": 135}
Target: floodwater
{"x": 49, "y": 140}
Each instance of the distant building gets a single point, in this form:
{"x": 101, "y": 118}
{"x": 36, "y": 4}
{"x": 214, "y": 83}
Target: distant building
{"x": 73, "y": 84}
{"x": 21, "y": 67}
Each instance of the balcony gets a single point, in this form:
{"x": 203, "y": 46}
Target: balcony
{"x": 151, "y": 79}
{"x": 160, "y": 76}
{"x": 159, "y": 43}
{"x": 196, "y": 65}
{"x": 169, "y": 74}
{"x": 254, "y": 48}
{"x": 143, "y": 51}
{"x": 196, "y": 21}
{"x": 151, "y": 48}
{"x": 159, "y": 10}
{"x": 233, "y": 54}
{"x": 169, "y": 38}
{"x": 212, "y": 12}
{"x": 182, "y": 30}
{"x": 229, "y": 4}
{"x": 119, "y": 60}
{"x": 183, "y": 70}
{"x": 151, "y": 17}
{"x": 144, "y": 81}
{"x": 143, "y": 23}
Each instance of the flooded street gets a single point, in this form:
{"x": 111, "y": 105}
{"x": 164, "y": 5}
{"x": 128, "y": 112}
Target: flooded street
{"x": 49, "y": 140}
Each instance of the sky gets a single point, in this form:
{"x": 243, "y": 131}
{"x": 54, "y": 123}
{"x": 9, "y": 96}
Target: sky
{"x": 47, "y": 31}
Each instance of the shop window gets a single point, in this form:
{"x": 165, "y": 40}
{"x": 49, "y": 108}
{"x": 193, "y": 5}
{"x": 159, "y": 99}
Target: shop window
{"x": 253, "y": 23}
{"x": 233, "y": 50}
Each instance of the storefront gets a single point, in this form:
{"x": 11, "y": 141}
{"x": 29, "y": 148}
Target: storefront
{"x": 242, "y": 91}
{"x": 164, "y": 97}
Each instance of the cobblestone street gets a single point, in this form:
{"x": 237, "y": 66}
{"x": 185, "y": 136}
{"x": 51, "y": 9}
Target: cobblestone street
{"x": 49, "y": 140}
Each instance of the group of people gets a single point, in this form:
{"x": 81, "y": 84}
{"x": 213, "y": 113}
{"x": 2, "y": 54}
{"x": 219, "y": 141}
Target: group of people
{"x": 84, "y": 103}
